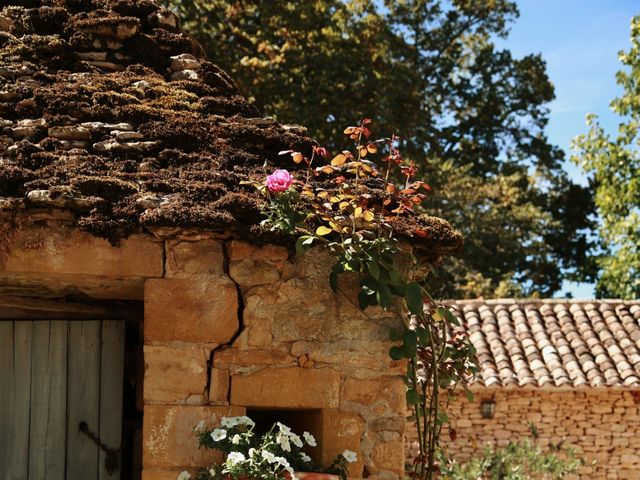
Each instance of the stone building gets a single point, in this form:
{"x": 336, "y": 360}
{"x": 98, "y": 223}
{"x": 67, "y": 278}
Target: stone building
{"x": 138, "y": 292}
{"x": 569, "y": 370}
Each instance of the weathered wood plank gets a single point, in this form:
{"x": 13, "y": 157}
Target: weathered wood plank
{"x": 112, "y": 371}
{"x": 15, "y": 307}
{"x": 6, "y": 394}
{"x": 40, "y": 384}
{"x": 55, "y": 450}
{"x": 18, "y": 467}
{"x": 83, "y": 398}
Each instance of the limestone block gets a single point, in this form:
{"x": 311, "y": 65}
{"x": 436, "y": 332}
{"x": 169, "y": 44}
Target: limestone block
{"x": 342, "y": 431}
{"x": 168, "y": 438}
{"x": 250, "y": 265}
{"x": 199, "y": 310}
{"x": 389, "y": 456}
{"x": 66, "y": 251}
{"x": 173, "y": 374}
{"x": 388, "y": 390}
{"x": 359, "y": 358}
{"x": 234, "y": 358}
{"x": 219, "y": 386}
{"x": 184, "y": 259}
{"x": 291, "y": 387}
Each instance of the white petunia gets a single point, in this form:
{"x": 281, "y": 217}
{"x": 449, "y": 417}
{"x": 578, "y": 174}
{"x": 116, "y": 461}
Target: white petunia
{"x": 184, "y": 475}
{"x": 310, "y": 439}
{"x": 296, "y": 440}
{"x": 268, "y": 456}
{"x": 284, "y": 429}
{"x": 350, "y": 456}
{"x": 305, "y": 457}
{"x": 252, "y": 452}
{"x": 236, "y": 439}
{"x": 281, "y": 461}
{"x": 234, "y": 458}
{"x": 212, "y": 472}
{"x": 229, "y": 422}
{"x": 283, "y": 441}
{"x": 218, "y": 434}
{"x": 200, "y": 426}
{"x": 244, "y": 420}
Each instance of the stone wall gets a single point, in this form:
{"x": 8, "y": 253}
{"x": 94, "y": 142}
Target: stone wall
{"x": 603, "y": 425}
{"x": 230, "y": 328}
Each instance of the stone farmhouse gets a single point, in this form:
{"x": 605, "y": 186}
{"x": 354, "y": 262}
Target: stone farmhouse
{"x": 567, "y": 370}
{"x": 138, "y": 292}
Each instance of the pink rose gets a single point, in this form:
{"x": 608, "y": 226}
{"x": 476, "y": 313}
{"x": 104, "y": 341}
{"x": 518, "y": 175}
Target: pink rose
{"x": 279, "y": 181}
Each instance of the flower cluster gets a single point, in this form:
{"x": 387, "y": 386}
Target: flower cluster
{"x": 280, "y": 451}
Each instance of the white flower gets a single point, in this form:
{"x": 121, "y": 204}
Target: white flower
{"x": 218, "y": 434}
{"x": 236, "y": 439}
{"x": 295, "y": 439}
{"x": 229, "y": 422}
{"x": 184, "y": 475}
{"x": 234, "y": 458}
{"x": 252, "y": 452}
{"x": 200, "y": 426}
{"x": 305, "y": 457}
{"x": 282, "y": 461}
{"x": 350, "y": 456}
{"x": 268, "y": 456}
{"x": 212, "y": 472}
{"x": 283, "y": 441}
{"x": 244, "y": 420}
{"x": 310, "y": 439}
{"x": 284, "y": 429}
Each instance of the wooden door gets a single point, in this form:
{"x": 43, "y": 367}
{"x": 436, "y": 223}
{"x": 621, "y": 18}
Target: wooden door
{"x": 55, "y": 374}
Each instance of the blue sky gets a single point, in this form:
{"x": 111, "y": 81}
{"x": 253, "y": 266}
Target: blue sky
{"x": 580, "y": 40}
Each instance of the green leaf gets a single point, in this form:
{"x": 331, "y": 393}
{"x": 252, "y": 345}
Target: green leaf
{"x": 374, "y": 269}
{"x": 333, "y": 280}
{"x": 469, "y": 394}
{"x": 451, "y": 318}
{"x": 303, "y": 244}
{"x": 395, "y": 335}
{"x": 413, "y": 397}
{"x": 423, "y": 335}
{"x": 414, "y": 298}
{"x": 396, "y": 353}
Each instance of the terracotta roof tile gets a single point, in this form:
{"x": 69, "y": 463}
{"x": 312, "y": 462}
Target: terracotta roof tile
{"x": 554, "y": 343}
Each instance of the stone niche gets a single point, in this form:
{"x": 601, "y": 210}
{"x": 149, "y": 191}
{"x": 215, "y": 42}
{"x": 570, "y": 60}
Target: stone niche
{"x": 231, "y": 329}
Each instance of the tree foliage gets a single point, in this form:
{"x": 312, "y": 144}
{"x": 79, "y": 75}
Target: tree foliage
{"x": 614, "y": 164}
{"x": 470, "y": 114}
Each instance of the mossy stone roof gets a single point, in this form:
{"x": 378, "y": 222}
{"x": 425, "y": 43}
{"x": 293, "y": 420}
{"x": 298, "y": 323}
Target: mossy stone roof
{"x": 108, "y": 110}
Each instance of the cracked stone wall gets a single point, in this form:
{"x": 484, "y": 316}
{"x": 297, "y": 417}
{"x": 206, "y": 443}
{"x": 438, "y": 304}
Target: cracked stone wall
{"x": 230, "y": 327}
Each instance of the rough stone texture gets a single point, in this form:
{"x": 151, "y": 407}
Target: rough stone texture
{"x": 603, "y": 425}
{"x": 250, "y": 265}
{"x": 287, "y": 388}
{"x": 168, "y": 436}
{"x": 342, "y": 431}
{"x": 50, "y": 249}
{"x": 163, "y": 474}
{"x": 188, "y": 258}
{"x": 219, "y": 387}
{"x": 174, "y": 374}
{"x": 198, "y": 309}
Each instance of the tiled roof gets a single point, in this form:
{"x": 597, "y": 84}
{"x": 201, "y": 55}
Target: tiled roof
{"x": 554, "y": 343}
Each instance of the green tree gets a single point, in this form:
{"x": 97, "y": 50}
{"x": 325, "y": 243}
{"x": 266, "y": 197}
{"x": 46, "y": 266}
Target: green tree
{"x": 468, "y": 113}
{"x": 614, "y": 166}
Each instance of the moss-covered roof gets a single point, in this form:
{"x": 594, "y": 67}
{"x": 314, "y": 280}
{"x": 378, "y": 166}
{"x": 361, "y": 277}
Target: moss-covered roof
{"x": 108, "y": 110}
